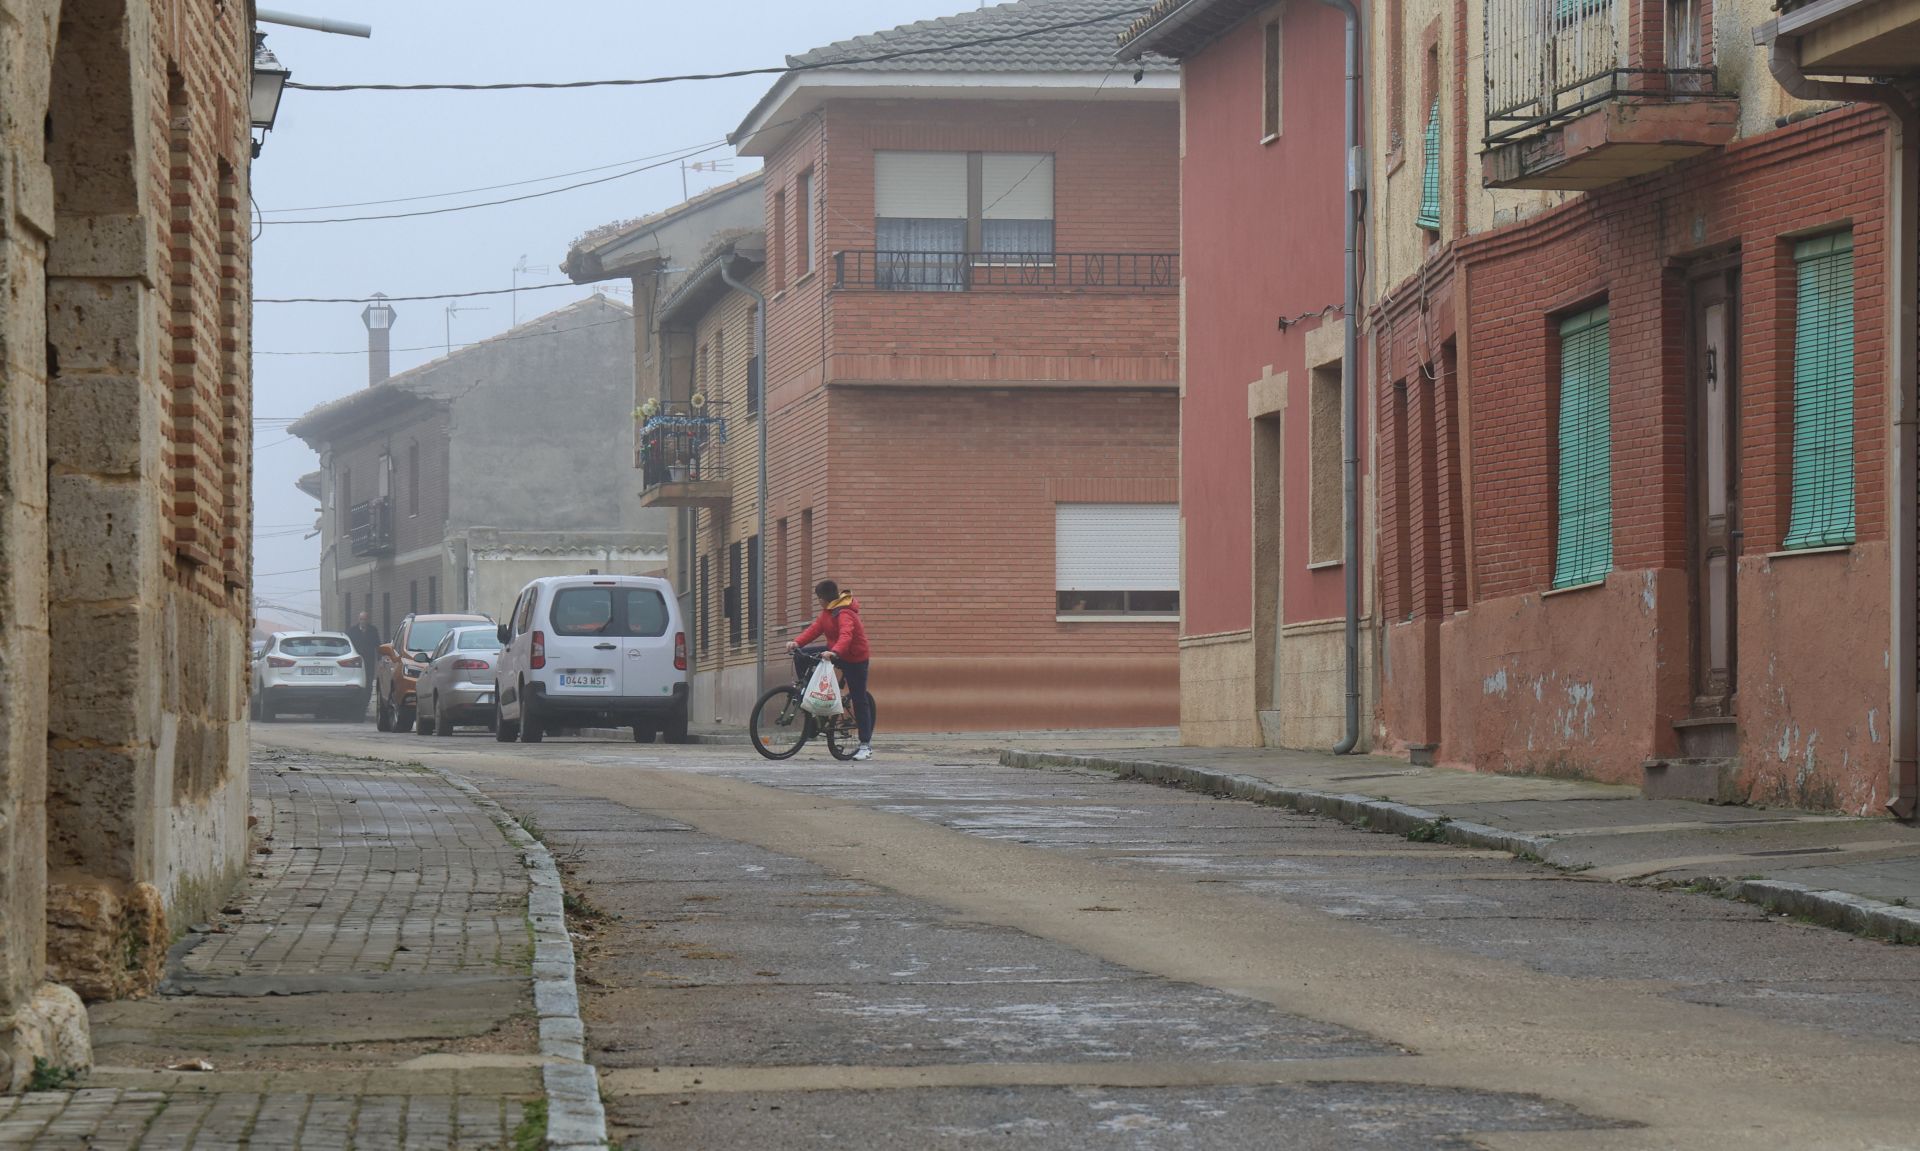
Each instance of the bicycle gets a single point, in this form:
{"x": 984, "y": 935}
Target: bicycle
{"x": 780, "y": 727}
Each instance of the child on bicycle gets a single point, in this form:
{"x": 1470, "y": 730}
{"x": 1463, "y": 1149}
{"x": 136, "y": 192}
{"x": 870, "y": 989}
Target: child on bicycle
{"x": 839, "y": 624}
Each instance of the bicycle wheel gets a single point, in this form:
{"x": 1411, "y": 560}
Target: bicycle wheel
{"x": 843, "y": 733}
{"x": 777, "y": 726}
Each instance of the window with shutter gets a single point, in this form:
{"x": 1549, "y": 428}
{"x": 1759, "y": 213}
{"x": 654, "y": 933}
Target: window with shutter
{"x": 1583, "y": 545}
{"x": 1430, "y": 176}
{"x": 1117, "y": 559}
{"x": 1823, "y": 394}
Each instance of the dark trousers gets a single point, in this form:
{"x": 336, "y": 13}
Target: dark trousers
{"x": 856, "y": 676}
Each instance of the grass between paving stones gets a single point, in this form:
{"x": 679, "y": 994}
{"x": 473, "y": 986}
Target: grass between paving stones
{"x": 1432, "y": 831}
{"x": 531, "y": 1135}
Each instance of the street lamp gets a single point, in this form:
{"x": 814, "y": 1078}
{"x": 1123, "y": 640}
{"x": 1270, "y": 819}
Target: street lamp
{"x": 269, "y": 83}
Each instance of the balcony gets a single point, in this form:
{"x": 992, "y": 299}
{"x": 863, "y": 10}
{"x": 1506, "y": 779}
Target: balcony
{"x": 1564, "y": 113}
{"x": 1038, "y": 272}
{"x": 681, "y": 464}
{"x": 1854, "y": 37}
{"x": 370, "y": 527}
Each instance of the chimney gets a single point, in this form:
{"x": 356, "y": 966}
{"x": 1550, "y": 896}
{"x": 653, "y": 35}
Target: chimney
{"x": 378, "y": 317}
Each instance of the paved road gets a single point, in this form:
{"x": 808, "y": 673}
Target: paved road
{"x": 930, "y": 950}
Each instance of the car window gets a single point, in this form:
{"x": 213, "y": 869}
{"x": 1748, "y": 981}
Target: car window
{"x": 440, "y": 648}
{"x": 423, "y": 634}
{"x": 478, "y": 639}
{"x": 583, "y": 611}
{"x": 646, "y": 612}
{"x": 315, "y": 645}
{"x": 525, "y": 618}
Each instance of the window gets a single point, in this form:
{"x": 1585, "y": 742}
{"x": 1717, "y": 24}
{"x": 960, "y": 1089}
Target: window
{"x": 703, "y": 622}
{"x": 413, "y": 596}
{"x": 754, "y": 386}
{"x": 1396, "y": 74}
{"x": 733, "y": 595}
{"x": 413, "y": 479}
{"x": 780, "y": 239}
{"x": 346, "y": 609}
{"x": 1326, "y": 524}
{"x": 1583, "y": 537}
{"x": 315, "y": 646}
{"x": 803, "y": 221}
{"x": 806, "y": 563}
{"x": 343, "y": 504}
{"x": 609, "y": 611}
{"x": 425, "y": 635}
{"x": 1823, "y": 394}
{"x": 433, "y": 594}
{"x": 386, "y": 613}
{"x": 1116, "y": 559}
{"x": 780, "y": 612}
{"x": 1270, "y": 86}
{"x": 477, "y": 639}
{"x": 719, "y": 390}
{"x": 931, "y": 209}
{"x": 1429, "y": 217}
{"x": 525, "y": 614}
{"x": 753, "y": 587}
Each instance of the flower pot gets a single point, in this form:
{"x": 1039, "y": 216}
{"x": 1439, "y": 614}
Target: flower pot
{"x": 677, "y": 473}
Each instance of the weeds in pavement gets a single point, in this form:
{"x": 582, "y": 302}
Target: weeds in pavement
{"x": 531, "y": 1135}
{"x": 50, "y": 1077}
{"x": 1432, "y": 831}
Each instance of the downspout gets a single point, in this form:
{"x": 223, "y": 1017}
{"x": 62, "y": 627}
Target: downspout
{"x": 1356, "y": 189}
{"x": 1903, "y": 212}
{"x": 758, "y": 591}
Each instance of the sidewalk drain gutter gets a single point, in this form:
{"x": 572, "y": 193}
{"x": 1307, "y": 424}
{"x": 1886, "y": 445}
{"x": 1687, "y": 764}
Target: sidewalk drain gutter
{"x": 576, "y": 1120}
{"x": 1836, "y": 909}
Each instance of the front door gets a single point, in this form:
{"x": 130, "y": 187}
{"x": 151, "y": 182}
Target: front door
{"x": 1715, "y": 522}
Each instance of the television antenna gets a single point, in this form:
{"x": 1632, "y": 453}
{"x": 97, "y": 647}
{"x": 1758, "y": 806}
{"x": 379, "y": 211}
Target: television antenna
{"x": 520, "y": 269}
{"x": 716, "y": 166}
{"x": 454, "y": 306}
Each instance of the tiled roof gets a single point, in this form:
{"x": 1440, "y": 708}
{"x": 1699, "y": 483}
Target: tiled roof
{"x": 1179, "y": 28}
{"x": 612, "y": 233}
{"x": 1089, "y": 47}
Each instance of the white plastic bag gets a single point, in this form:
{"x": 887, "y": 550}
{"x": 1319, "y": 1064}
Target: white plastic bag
{"x": 822, "y": 697}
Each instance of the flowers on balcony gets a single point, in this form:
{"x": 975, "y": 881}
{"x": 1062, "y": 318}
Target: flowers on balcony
{"x": 676, "y": 447}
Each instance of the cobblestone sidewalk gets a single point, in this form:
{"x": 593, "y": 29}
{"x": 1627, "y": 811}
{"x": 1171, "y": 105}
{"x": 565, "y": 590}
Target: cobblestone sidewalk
{"x": 373, "y": 992}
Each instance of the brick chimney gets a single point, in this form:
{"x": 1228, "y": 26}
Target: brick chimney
{"x": 378, "y": 317}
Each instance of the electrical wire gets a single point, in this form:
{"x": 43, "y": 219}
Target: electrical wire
{"x": 470, "y": 191}
{"x": 436, "y": 347}
{"x": 787, "y": 69}
{"x": 403, "y": 299}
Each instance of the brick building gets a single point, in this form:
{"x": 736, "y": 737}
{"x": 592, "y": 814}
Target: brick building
{"x": 1633, "y": 384}
{"x": 1262, "y": 648}
{"x": 124, "y": 482}
{"x": 971, "y": 264}
{"x": 448, "y": 487}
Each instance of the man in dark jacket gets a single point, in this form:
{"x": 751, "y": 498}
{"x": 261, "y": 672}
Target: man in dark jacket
{"x": 366, "y": 644}
{"x": 839, "y": 624}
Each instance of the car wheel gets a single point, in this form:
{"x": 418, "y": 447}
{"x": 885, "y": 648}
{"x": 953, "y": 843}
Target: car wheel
{"x": 532, "y": 725}
{"x": 504, "y": 730}
{"x": 424, "y": 724}
{"x": 382, "y": 718}
{"x": 402, "y": 719}
{"x": 267, "y": 714}
{"x": 442, "y": 723}
{"x": 253, "y": 706}
{"x": 643, "y": 734}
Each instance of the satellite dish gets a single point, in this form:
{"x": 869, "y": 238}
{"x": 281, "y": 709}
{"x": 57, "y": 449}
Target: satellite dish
{"x": 698, "y": 400}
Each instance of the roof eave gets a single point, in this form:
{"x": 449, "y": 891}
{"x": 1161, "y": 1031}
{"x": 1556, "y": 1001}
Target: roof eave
{"x": 1162, "y": 37}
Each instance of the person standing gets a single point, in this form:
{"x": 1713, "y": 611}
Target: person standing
{"x": 366, "y": 644}
{"x": 839, "y": 624}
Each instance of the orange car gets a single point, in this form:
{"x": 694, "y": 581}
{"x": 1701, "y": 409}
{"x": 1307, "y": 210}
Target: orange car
{"x": 402, "y": 661}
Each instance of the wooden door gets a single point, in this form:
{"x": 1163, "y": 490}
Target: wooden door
{"x": 1715, "y": 522}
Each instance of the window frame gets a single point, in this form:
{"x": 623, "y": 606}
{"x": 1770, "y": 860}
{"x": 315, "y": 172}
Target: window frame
{"x": 1579, "y": 561}
{"x": 804, "y": 193}
{"x": 973, "y": 250}
{"x": 1814, "y": 495}
{"x": 1272, "y": 49}
{"x": 1114, "y": 604}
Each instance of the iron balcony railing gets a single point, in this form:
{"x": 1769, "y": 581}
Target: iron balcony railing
{"x": 680, "y": 445}
{"x": 896, "y": 271}
{"x": 1549, "y": 60}
{"x": 370, "y": 527}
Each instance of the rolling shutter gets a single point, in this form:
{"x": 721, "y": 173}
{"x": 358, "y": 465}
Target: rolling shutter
{"x": 1015, "y": 186}
{"x": 1583, "y": 545}
{"x": 1430, "y": 178}
{"x": 920, "y": 185}
{"x": 1823, "y": 394}
{"x": 1116, "y": 547}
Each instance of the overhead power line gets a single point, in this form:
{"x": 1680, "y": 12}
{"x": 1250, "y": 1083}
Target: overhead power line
{"x": 403, "y": 299}
{"x": 439, "y": 347}
{"x": 470, "y": 191}
{"x": 838, "y": 62}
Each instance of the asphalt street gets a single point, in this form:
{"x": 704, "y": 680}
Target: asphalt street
{"x": 931, "y": 950}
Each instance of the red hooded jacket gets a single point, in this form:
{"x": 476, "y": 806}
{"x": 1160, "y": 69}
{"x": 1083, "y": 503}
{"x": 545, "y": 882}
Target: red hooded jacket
{"x": 840, "y": 623}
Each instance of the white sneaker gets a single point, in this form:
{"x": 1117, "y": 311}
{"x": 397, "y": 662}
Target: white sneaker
{"x": 864, "y": 752}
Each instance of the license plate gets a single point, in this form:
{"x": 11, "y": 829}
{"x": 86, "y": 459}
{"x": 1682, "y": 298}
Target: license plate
{"x": 583, "y": 681}
{"x": 316, "y": 671}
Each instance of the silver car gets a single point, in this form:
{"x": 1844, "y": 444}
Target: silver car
{"x": 457, "y": 685}
{"x": 313, "y": 673}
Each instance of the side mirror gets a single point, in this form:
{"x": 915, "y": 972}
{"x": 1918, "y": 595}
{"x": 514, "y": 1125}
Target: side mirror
{"x": 386, "y": 649}
{"x": 505, "y": 637}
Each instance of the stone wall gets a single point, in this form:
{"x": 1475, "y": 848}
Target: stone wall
{"x": 124, "y": 496}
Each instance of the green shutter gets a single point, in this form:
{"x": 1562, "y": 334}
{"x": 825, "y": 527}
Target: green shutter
{"x": 1583, "y": 547}
{"x": 1430, "y": 178}
{"x": 1823, "y": 395}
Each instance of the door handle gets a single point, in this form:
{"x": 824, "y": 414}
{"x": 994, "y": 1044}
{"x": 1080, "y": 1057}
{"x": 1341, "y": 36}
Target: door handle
{"x": 604, "y": 646}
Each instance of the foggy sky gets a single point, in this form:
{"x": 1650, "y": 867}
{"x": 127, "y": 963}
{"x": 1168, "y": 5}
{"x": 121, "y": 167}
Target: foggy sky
{"x": 335, "y": 148}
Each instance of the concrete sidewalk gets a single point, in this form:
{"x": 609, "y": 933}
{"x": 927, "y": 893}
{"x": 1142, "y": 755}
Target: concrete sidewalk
{"x": 374, "y": 986}
{"x": 1859, "y": 874}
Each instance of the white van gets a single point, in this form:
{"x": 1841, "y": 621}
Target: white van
{"x": 593, "y": 651}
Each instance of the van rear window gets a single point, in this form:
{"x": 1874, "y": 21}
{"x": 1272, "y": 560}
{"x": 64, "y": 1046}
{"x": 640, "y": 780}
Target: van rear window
{"x": 594, "y": 611}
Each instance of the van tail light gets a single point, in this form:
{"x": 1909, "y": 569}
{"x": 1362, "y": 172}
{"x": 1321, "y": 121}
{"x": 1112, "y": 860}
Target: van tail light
{"x": 680, "y": 651}
{"x": 280, "y": 661}
{"x": 471, "y": 665}
{"x": 351, "y": 661}
{"x": 537, "y": 659}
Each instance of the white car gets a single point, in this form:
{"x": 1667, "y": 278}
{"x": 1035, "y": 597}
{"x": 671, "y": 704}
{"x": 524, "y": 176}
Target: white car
{"x": 593, "y": 651}
{"x": 313, "y": 673}
{"x": 457, "y": 685}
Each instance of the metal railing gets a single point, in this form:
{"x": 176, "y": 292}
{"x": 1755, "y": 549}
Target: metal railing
{"x": 896, "y": 271}
{"x": 370, "y": 527}
{"x": 1549, "y": 60}
{"x": 679, "y": 445}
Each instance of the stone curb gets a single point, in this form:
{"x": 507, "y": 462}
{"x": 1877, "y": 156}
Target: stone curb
{"x": 1836, "y": 909}
{"x": 576, "y": 1120}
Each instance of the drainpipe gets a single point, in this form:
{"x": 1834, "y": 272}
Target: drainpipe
{"x": 1903, "y": 212}
{"x": 759, "y": 589}
{"x": 1356, "y": 188}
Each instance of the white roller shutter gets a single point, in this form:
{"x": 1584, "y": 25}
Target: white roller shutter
{"x": 920, "y": 185}
{"x": 1116, "y": 547}
{"x": 1016, "y": 186}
